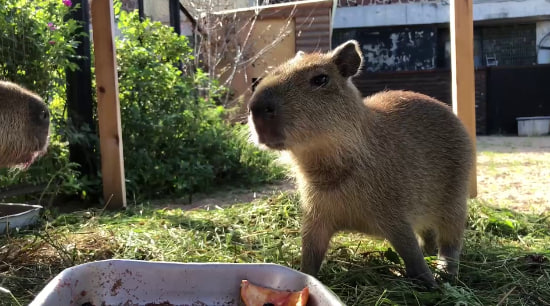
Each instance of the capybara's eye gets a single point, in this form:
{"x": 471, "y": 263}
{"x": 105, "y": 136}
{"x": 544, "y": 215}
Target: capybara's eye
{"x": 319, "y": 80}
{"x": 269, "y": 109}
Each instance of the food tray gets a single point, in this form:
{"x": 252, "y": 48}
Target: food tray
{"x": 13, "y": 215}
{"x": 134, "y": 282}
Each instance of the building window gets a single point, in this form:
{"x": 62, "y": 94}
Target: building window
{"x": 444, "y": 50}
{"x": 393, "y": 48}
{"x": 505, "y": 45}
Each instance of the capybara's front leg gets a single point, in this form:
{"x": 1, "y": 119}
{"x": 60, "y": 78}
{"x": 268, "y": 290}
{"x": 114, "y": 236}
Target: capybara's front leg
{"x": 315, "y": 241}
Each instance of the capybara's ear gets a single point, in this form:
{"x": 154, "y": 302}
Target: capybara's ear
{"x": 298, "y": 56}
{"x": 348, "y": 58}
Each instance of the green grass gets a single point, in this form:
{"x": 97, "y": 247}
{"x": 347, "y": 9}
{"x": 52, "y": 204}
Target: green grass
{"x": 504, "y": 262}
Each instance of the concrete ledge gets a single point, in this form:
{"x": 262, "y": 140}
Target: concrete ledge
{"x": 429, "y": 13}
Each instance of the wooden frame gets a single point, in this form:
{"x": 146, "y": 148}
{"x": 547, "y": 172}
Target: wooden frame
{"x": 108, "y": 106}
{"x": 462, "y": 70}
{"x": 112, "y": 162}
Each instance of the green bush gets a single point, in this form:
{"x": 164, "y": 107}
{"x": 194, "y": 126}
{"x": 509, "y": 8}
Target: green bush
{"x": 175, "y": 139}
{"x": 54, "y": 174}
{"x": 37, "y": 44}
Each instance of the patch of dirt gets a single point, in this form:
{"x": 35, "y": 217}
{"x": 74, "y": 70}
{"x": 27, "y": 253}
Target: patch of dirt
{"x": 229, "y": 197}
{"x": 512, "y": 172}
{"x": 513, "y": 144}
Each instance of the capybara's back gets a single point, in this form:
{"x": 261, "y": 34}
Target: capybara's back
{"x": 427, "y": 150}
{"x": 394, "y": 165}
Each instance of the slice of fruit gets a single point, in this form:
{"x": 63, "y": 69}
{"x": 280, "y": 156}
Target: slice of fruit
{"x": 254, "y": 295}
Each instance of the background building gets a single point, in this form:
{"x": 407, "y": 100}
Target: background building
{"x": 407, "y": 45}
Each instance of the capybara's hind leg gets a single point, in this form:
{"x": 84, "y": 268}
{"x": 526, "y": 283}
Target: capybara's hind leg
{"x": 404, "y": 241}
{"x": 427, "y": 241}
{"x": 449, "y": 241}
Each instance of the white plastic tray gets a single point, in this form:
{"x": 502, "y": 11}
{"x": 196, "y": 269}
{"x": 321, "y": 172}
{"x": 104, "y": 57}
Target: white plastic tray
{"x": 15, "y": 215}
{"x": 133, "y": 282}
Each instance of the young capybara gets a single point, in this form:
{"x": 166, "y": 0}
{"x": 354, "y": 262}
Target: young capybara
{"x": 24, "y": 126}
{"x": 394, "y": 165}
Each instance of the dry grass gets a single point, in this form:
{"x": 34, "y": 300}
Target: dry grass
{"x": 505, "y": 259}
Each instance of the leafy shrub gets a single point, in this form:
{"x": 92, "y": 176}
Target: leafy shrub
{"x": 174, "y": 137}
{"x": 54, "y": 174}
{"x": 37, "y": 44}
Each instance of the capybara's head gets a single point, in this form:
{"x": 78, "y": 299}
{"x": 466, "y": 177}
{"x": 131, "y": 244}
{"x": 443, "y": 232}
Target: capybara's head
{"x": 24, "y": 126}
{"x": 306, "y": 99}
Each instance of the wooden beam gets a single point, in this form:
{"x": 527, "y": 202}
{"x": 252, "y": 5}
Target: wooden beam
{"x": 108, "y": 107}
{"x": 174, "y": 10}
{"x": 463, "y": 77}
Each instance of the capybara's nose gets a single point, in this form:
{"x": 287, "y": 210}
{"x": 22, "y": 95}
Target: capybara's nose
{"x": 39, "y": 113}
{"x": 262, "y": 105}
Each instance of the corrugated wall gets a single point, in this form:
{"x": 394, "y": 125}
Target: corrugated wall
{"x": 313, "y": 30}
{"x": 311, "y": 22}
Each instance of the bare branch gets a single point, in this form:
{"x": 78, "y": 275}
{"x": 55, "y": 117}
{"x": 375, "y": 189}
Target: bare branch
{"x": 226, "y": 46}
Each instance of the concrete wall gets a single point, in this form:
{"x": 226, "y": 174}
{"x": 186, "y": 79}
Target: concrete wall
{"x": 159, "y": 11}
{"x": 543, "y": 32}
{"x": 428, "y": 13}
{"x": 426, "y": 47}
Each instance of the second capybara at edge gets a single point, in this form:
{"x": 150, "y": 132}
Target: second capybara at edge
{"x": 24, "y": 126}
{"x": 394, "y": 165}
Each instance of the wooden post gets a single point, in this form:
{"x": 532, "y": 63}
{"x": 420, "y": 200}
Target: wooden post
{"x": 463, "y": 76}
{"x": 108, "y": 108}
{"x": 174, "y": 10}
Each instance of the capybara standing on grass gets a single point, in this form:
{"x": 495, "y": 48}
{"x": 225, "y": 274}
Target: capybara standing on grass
{"x": 24, "y": 126}
{"x": 394, "y": 165}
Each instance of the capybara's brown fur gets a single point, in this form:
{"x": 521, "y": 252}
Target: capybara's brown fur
{"x": 24, "y": 126}
{"x": 394, "y": 165}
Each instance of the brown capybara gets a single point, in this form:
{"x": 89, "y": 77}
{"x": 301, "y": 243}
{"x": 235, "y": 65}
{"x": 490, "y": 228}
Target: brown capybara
{"x": 24, "y": 126}
{"x": 394, "y": 165}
